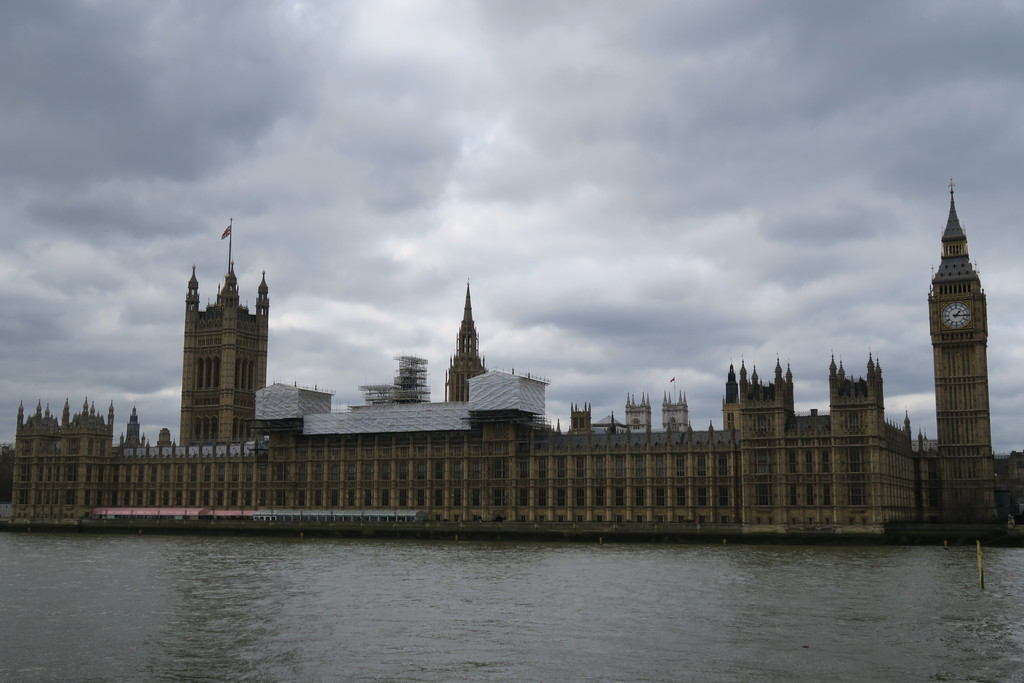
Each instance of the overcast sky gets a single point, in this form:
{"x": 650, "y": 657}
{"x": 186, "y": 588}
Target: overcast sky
{"x": 635, "y": 192}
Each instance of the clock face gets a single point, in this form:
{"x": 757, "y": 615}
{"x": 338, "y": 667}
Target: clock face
{"x": 956, "y": 315}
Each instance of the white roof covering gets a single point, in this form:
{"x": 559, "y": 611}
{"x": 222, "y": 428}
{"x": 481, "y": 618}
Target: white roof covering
{"x": 282, "y": 401}
{"x": 404, "y": 417}
{"x": 496, "y": 390}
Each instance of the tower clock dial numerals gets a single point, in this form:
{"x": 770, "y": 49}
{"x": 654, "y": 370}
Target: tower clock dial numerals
{"x": 956, "y": 315}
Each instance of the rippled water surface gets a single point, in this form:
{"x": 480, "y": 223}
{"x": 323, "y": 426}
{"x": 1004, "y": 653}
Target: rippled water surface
{"x": 118, "y": 608}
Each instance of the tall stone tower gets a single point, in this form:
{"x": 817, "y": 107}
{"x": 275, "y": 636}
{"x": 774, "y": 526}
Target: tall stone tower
{"x": 857, "y": 405}
{"x": 731, "y": 401}
{"x": 225, "y": 362}
{"x": 675, "y": 414}
{"x": 958, "y": 319}
{"x": 765, "y": 407}
{"x": 580, "y": 419}
{"x": 133, "y": 436}
{"x": 638, "y": 415}
{"x": 466, "y": 362}
{"x": 764, "y": 417}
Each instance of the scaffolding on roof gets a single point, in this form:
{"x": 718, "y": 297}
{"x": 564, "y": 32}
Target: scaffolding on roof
{"x": 410, "y": 385}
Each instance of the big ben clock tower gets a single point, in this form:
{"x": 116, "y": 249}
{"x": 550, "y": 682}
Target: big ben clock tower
{"x": 959, "y": 329}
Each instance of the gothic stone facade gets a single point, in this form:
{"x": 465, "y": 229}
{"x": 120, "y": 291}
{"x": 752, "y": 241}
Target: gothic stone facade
{"x": 850, "y": 467}
{"x": 767, "y": 467}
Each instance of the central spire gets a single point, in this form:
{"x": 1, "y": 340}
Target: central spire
{"x": 468, "y": 314}
{"x": 466, "y": 362}
{"x": 468, "y": 338}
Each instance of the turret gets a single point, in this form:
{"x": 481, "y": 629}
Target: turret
{"x": 580, "y": 419}
{"x": 865, "y": 390}
{"x": 132, "y": 431}
{"x": 857, "y": 403}
{"x": 731, "y": 387}
{"x": 40, "y": 422}
{"x": 228, "y": 294}
{"x": 765, "y": 408}
{"x": 192, "y": 297}
{"x": 638, "y": 415}
{"x": 263, "y": 297}
{"x": 675, "y": 414}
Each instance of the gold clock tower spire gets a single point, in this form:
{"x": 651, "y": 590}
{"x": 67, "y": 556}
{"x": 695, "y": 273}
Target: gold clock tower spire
{"x": 958, "y": 319}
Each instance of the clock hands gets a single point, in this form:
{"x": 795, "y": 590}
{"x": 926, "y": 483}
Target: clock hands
{"x": 956, "y": 315}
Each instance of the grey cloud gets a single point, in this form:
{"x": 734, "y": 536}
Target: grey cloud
{"x": 127, "y": 91}
{"x": 632, "y": 194}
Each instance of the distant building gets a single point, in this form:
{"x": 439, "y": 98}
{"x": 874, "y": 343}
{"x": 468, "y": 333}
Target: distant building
{"x": 486, "y": 452}
{"x": 1009, "y": 475}
{"x": 6, "y": 472}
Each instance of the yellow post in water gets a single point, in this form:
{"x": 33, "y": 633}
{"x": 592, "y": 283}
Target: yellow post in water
{"x": 981, "y": 566}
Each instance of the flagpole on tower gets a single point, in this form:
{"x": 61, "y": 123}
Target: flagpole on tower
{"x": 227, "y": 233}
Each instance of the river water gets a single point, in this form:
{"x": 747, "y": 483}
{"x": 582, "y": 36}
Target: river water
{"x": 123, "y": 608}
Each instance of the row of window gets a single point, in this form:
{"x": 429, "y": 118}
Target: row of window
{"x": 208, "y": 373}
{"x": 163, "y": 473}
{"x": 559, "y": 496}
{"x": 809, "y": 495}
{"x": 639, "y": 465}
{"x": 456, "y": 470}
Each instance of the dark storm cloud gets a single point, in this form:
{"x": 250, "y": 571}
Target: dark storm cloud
{"x": 122, "y": 90}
